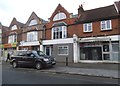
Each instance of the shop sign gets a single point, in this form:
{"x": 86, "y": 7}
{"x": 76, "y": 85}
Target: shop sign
{"x": 89, "y": 44}
{"x": 10, "y": 45}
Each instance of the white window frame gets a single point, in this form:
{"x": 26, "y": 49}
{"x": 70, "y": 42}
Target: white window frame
{"x": 105, "y": 23}
{"x": 86, "y": 27}
{"x": 33, "y": 22}
{"x": 59, "y": 16}
{"x": 32, "y": 36}
{"x": 64, "y": 48}
{"x": 14, "y": 27}
{"x": 11, "y": 38}
{"x": 64, "y": 32}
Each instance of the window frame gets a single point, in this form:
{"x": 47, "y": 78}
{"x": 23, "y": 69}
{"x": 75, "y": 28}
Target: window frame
{"x": 59, "y": 16}
{"x": 33, "y": 22}
{"x": 14, "y": 27}
{"x": 33, "y": 34}
{"x": 11, "y": 38}
{"x": 62, "y": 32}
{"x": 104, "y": 22}
{"x": 86, "y": 27}
{"x": 63, "y": 47}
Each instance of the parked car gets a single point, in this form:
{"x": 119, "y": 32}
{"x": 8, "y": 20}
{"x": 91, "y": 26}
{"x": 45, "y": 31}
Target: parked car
{"x": 36, "y": 59}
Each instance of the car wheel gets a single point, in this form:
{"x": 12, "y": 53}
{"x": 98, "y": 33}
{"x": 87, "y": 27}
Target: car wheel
{"x": 38, "y": 66}
{"x": 14, "y": 64}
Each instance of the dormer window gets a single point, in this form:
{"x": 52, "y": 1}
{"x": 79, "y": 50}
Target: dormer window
{"x": 59, "y": 16}
{"x": 33, "y": 22}
{"x": 14, "y": 27}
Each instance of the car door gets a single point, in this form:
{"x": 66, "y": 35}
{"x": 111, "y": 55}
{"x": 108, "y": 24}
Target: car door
{"x": 30, "y": 58}
{"x": 21, "y": 57}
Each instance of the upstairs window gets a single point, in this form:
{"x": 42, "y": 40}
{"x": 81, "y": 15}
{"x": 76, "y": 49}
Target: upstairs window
{"x": 106, "y": 25}
{"x": 59, "y": 32}
{"x": 33, "y": 22}
{"x": 12, "y": 38}
{"x": 14, "y": 27}
{"x": 87, "y": 27}
{"x": 32, "y": 36}
{"x": 59, "y": 16}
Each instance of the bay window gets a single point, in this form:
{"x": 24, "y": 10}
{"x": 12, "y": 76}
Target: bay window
{"x": 32, "y": 36}
{"x": 59, "y": 32}
{"x": 12, "y": 38}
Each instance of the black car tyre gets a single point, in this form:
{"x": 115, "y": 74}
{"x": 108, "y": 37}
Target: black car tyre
{"x": 38, "y": 66}
{"x": 14, "y": 64}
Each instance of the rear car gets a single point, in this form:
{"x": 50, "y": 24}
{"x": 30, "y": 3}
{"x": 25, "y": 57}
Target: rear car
{"x": 36, "y": 59}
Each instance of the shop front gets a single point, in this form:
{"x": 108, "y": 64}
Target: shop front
{"x": 99, "y": 49}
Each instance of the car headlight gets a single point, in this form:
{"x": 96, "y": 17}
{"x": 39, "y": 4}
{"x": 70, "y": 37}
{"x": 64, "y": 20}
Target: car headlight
{"x": 46, "y": 59}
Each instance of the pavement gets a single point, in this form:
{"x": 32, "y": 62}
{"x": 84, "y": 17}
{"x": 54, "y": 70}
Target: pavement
{"x": 99, "y": 72}
{"x": 98, "y": 69}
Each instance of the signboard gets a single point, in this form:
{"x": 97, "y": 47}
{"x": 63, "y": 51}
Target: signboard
{"x": 10, "y": 45}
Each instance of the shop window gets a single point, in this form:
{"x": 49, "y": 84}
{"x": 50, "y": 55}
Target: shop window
{"x": 106, "y": 56}
{"x": 63, "y": 50}
{"x": 105, "y": 48}
{"x": 115, "y": 52}
{"x": 115, "y": 47}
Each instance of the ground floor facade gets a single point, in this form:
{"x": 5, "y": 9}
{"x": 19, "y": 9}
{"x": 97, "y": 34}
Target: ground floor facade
{"x": 91, "y": 49}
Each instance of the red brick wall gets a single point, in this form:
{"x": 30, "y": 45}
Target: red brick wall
{"x": 78, "y": 30}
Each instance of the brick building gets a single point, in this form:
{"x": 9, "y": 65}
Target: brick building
{"x": 32, "y": 33}
{"x": 89, "y": 36}
{"x": 58, "y": 42}
{"x": 92, "y": 35}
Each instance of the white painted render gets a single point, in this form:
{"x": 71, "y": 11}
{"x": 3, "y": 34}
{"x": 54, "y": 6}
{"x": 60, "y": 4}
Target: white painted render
{"x": 58, "y": 41}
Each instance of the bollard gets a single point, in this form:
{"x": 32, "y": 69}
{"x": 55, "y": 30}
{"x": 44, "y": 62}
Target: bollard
{"x": 66, "y": 61}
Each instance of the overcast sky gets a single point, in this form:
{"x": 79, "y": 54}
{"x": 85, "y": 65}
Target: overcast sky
{"x": 22, "y": 9}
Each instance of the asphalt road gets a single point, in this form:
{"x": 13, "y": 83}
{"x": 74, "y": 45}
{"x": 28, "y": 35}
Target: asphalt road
{"x": 33, "y": 76}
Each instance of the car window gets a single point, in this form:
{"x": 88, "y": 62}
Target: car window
{"x": 21, "y": 54}
{"x": 30, "y": 54}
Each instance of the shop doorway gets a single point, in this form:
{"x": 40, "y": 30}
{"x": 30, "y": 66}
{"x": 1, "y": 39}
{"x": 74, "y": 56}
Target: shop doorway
{"x": 48, "y": 50}
{"x": 90, "y": 53}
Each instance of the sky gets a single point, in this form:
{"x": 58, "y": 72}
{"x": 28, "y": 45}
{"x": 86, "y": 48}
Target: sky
{"x": 22, "y": 9}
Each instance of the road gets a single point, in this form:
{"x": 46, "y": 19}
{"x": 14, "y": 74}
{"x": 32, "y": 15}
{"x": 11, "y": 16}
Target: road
{"x": 32, "y": 76}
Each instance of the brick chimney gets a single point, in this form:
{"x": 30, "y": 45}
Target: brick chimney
{"x": 80, "y": 9}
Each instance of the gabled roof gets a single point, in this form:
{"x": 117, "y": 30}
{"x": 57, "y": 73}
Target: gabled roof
{"x": 97, "y": 14}
{"x": 15, "y": 22}
{"x": 34, "y": 16}
{"x": 117, "y": 4}
{"x": 5, "y": 28}
{"x": 60, "y": 8}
